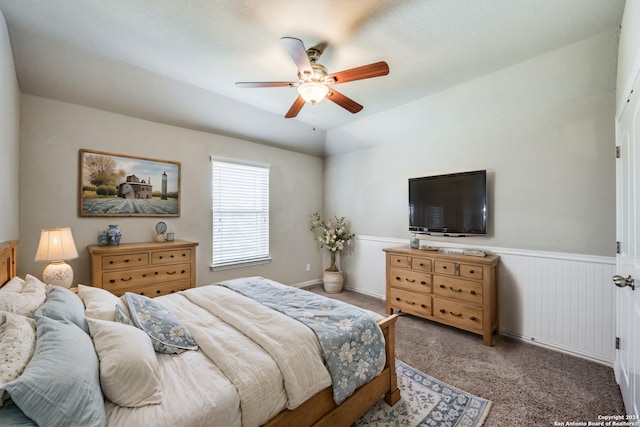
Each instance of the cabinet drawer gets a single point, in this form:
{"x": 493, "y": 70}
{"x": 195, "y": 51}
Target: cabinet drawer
{"x": 135, "y": 277}
{"x": 411, "y": 280}
{"x": 444, "y": 267}
{"x": 459, "y": 314}
{"x": 156, "y": 291}
{"x": 409, "y": 302}
{"x": 165, "y": 257}
{"x": 112, "y": 262}
{"x": 399, "y": 261}
{"x": 464, "y": 290}
{"x": 421, "y": 264}
{"x": 471, "y": 271}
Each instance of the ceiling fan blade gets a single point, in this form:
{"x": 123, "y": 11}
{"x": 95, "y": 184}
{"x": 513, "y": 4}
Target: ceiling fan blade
{"x": 295, "y": 108}
{"x": 376, "y": 69}
{"x": 296, "y": 50}
{"x": 344, "y": 101}
{"x": 266, "y": 84}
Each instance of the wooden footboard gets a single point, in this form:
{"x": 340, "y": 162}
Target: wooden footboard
{"x": 321, "y": 410}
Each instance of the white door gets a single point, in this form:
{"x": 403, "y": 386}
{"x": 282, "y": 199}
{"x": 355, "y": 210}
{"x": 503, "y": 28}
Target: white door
{"x": 627, "y": 364}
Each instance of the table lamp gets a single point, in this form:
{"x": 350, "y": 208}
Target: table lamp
{"x": 56, "y": 246}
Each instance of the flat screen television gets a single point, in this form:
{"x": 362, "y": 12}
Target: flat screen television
{"x": 449, "y": 205}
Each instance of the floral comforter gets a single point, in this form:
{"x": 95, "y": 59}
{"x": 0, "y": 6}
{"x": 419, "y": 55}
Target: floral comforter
{"x": 353, "y": 345}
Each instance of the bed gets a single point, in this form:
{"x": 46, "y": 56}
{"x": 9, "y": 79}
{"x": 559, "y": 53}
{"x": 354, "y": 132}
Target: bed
{"x": 245, "y": 352}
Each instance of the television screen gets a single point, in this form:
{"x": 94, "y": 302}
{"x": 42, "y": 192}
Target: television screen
{"x": 453, "y": 204}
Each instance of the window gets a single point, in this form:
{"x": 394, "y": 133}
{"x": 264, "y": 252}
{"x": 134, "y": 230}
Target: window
{"x": 240, "y": 203}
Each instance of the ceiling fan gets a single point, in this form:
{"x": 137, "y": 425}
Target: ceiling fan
{"x": 314, "y": 81}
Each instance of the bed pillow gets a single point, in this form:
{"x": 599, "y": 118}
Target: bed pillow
{"x": 60, "y": 386}
{"x": 99, "y": 303}
{"x": 62, "y": 304}
{"x": 25, "y": 303}
{"x": 129, "y": 370}
{"x": 14, "y": 285}
{"x": 167, "y": 333}
{"x": 17, "y": 342}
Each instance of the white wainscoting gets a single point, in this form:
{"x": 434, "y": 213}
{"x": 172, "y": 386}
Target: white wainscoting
{"x": 565, "y": 302}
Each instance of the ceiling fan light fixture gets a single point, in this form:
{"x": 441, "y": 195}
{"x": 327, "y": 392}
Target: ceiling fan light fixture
{"x": 313, "y": 91}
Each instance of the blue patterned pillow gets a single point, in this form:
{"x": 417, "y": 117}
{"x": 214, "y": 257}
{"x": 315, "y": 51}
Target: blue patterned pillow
{"x": 167, "y": 333}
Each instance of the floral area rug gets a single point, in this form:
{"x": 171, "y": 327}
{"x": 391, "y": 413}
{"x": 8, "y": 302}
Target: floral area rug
{"x": 426, "y": 401}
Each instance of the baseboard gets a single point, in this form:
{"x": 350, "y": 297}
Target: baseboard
{"x": 558, "y": 348}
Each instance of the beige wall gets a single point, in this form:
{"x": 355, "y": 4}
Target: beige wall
{"x": 52, "y": 132}
{"x": 544, "y": 131}
{"x": 9, "y": 127}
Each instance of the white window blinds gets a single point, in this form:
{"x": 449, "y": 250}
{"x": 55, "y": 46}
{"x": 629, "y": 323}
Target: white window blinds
{"x": 240, "y": 213}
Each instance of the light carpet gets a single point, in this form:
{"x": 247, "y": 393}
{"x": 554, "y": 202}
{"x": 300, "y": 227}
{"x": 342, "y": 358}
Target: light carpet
{"x": 426, "y": 401}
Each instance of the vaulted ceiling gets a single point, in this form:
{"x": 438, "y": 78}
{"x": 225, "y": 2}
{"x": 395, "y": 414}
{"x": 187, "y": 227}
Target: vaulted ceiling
{"x": 177, "y": 61}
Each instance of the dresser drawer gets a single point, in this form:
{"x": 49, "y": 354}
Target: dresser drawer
{"x": 471, "y": 271}
{"x": 113, "y": 262}
{"x": 114, "y": 280}
{"x": 444, "y": 267}
{"x": 409, "y": 302}
{"x": 459, "y": 314}
{"x": 464, "y": 290}
{"x": 175, "y": 255}
{"x": 399, "y": 261}
{"x": 158, "y": 290}
{"x": 411, "y": 280}
{"x": 421, "y": 264}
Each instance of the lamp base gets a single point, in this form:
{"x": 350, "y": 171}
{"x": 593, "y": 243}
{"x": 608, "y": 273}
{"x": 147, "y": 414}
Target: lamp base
{"x": 58, "y": 273}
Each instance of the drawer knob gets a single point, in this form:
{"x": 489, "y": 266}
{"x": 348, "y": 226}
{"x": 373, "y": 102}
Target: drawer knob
{"x": 444, "y": 267}
{"x": 126, "y": 260}
{"x": 442, "y": 286}
{"x": 158, "y": 291}
{"x": 471, "y": 271}
{"x": 443, "y": 311}
{"x": 183, "y": 271}
{"x": 423, "y": 306}
{"x": 472, "y": 292}
{"x": 397, "y": 278}
{"x": 171, "y": 256}
{"x": 472, "y": 318}
{"x": 397, "y": 299}
{"x": 110, "y": 262}
{"x": 144, "y": 275}
{"x": 423, "y": 282}
{"x": 455, "y": 290}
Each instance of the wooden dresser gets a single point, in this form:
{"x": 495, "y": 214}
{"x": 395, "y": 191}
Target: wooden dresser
{"x": 457, "y": 290}
{"x": 150, "y": 269}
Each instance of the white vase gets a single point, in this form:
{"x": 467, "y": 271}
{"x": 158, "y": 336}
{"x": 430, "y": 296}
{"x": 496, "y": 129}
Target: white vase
{"x": 332, "y": 282}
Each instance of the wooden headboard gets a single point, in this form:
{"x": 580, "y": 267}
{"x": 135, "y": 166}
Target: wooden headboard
{"x": 7, "y": 260}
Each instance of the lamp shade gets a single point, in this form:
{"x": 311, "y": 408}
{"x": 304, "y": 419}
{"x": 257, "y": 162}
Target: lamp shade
{"x": 56, "y": 244}
{"x": 313, "y": 91}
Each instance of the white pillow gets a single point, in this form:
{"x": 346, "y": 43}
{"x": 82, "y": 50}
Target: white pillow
{"x": 99, "y": 303}
{"x": 17, "y": 342}
{"x": 129, "y": 370}
{"x": 14, "y": 285}
{"x": 34, "y": 285}
{"x": 26, "y": 302}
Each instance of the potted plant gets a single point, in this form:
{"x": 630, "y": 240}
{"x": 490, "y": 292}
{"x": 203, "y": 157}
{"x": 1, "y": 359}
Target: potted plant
{"x": 334, "y": 237}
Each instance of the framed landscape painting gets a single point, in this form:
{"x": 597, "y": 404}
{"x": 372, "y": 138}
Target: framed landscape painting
{"x": 121, "y": 185}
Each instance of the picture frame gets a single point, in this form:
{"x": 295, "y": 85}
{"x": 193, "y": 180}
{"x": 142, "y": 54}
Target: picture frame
{"x": 119, "y": 185}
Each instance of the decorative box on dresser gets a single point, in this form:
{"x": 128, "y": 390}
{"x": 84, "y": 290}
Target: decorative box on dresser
{"x": 150, "y": 269}
{"x": 454, "y": 289}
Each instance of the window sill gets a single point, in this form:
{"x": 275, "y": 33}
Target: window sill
{"x": 239, "y": 264}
